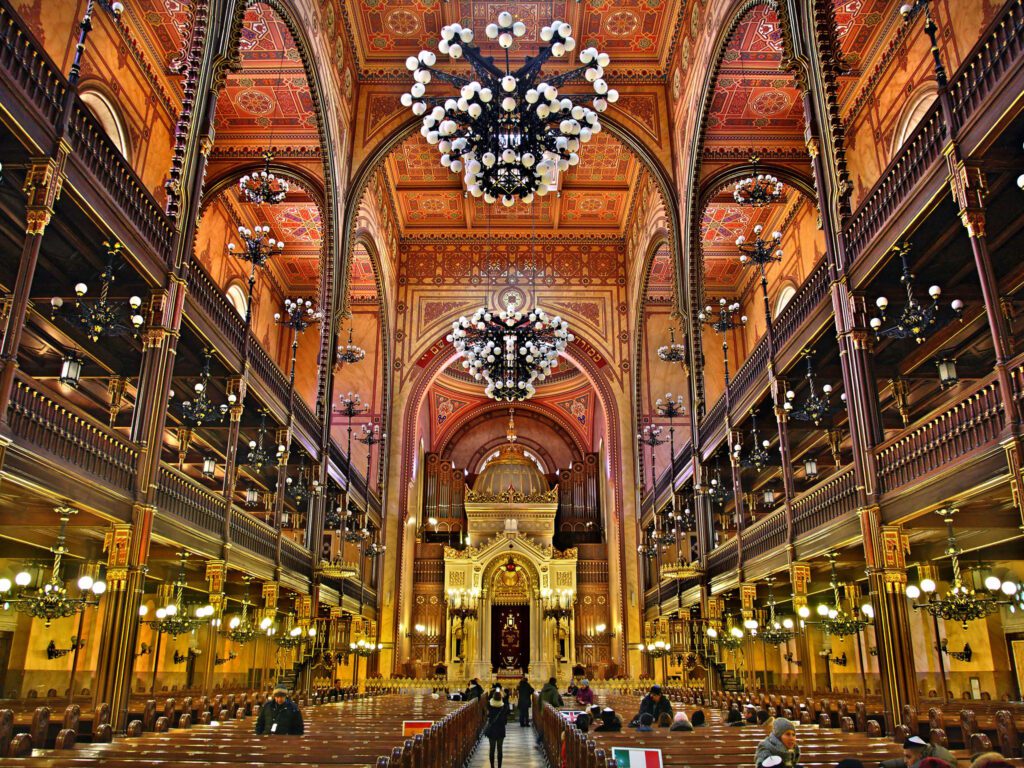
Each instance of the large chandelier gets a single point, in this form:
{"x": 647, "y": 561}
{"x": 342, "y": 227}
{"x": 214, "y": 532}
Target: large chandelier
{"x": 759, "y": 457}
{"x": 834, "y": 620}
{"x": 507, "y": 133}
{"x": 264, "y": 186}
{"x": 510, "y": 349}
{"x": 961, "y": 603}
{"x": 917, "y": 320}
{"x": 776, "y": 632}
{"x": 104, "y": 316}
{"x": 674, "y": 351}
{"x": 242, "y": 630}
{"x": 200, "y": 410}
{"x": 173, "y": 618}
{"x": 52, "y": 600}
{"x": 757, "y": 190}
{"x": 816, "y": 408}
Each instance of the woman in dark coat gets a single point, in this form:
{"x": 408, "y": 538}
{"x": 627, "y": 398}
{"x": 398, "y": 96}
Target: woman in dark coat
{"x": 497, "y": 719}
{"x": 525, "y": 700}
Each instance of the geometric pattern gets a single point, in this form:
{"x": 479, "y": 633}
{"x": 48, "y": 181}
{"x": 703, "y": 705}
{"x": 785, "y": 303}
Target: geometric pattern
{"x": 299, "y": 221}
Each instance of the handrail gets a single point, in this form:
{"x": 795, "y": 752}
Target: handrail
{"x": 723, "y": 558}
{"x": 295, "y": 556}
{"x": 765, "y": 535}
{"x": 30, "y": 67}
{"x": 180, "y": 495}
{"x": 71, "y": 435}
{"x": 830, "y": 499}
{"x": 254, "y": 535}
{"x": 204, "y": 291}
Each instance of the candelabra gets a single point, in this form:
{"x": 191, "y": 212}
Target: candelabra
{"x": 758, "y": 190}
{"x": 52, "y": 600}
{"x": 200, "y": 410}
{"x": 257, "y": 249}
{"x": 300, "y": 490}
{"x": 656, "y": 650}
{"x": 174, "y": 618}
{"x": 815, "y": 408}
{"x": 759, "y": 457}
{"x": 731, "y": 638}
{"x": 725, "y": 318}
{"x": 53, "y": 652}
{"x": 259, "y": 456}
{"x": 264, "y": 187}
{"x": 294, "y": 635}
{"x": 462, "y": 604}
{"x": 776, "y": 632}
{"x": 558, "y": 605}
{"x": 651, "y": 437}
{"x": 717, "y": 490}
{"x": 241, "y": 629}
{"x": 350, "y": 353}
{"x": 365, "y": 648}
{"x": 673, "y": 352}
{"x": 916, "y": 321}
{"x": 961, "y": 603}
{"x": 103, "y": 316}
{"x": 834, "y": 619}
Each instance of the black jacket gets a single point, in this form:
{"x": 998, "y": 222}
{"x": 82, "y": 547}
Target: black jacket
{"x": 285, "y": 716}
{"x": 525, "y": 694}
{"x": 473, "y": 692}
{"x": 497, "y": 719}
{"x": 653, "y": 708}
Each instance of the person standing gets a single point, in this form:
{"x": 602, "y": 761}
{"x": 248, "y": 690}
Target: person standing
{"x": 525, "y": 700}
{"x": 474, "y": 691}
{"x": 497, "y": 719}
{"x": 549, "y": 694}
{"x": 280, "y": 716}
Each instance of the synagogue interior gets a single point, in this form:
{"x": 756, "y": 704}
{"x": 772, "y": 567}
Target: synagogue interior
{"x": 362, "y": 350}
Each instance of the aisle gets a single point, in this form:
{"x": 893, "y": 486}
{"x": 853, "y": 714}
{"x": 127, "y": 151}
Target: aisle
{"x": 520, "y": 748}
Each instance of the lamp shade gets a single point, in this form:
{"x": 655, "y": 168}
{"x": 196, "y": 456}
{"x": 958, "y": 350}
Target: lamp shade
{"x": 209, "y": 466}
{"x": 70, "y": 370}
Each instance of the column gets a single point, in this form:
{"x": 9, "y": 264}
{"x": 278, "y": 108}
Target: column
{"x": 885, "y": 549}
{"x": 216, "y": 573}
{"x": 127, "y": 547}
{"x": 236, "y": 385}
{"x": 800, "y": 579}
{"x": 283, "y": 437}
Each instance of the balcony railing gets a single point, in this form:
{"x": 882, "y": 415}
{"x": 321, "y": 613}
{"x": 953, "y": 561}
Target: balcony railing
{"x": 181, "y": 496}
{"x": 215, "y": 305}
{"x": 295, "y": 557}
{"x": 939, "y": 439}
{"x": 256, "y": 536}
{"x": 830, "y": 499}
{"x": 723, "y": 559}
{"x": 765, "y": 535}
{"x": 71, "y": 436}
{"x": 31, "y": 69}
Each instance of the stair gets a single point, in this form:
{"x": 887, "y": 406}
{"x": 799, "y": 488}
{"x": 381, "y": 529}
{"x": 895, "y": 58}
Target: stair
{"x": 288, "y": 678}
{"x": 730, "y": 681}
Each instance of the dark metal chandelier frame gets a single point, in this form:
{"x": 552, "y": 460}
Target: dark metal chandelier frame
{"x": 916, "y": 320}
{"x": 816, "y": 408}
{"x": 264, "y": 187}
{"x": 200, "y": 410}
{"x": 759, "y": 457}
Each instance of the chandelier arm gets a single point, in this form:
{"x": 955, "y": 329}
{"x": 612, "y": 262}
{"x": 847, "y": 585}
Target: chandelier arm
{"x": 445, "y": 77}
{"x": 571, "y": 76}
{"x": 484, "y": 65}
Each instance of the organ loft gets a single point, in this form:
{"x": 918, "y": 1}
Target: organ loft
{"x": 363, "y": 352}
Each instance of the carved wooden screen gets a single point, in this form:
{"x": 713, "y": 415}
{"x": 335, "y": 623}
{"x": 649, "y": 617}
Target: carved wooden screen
{"x": 443, "y": 500}
{"x": 579, "y": 505}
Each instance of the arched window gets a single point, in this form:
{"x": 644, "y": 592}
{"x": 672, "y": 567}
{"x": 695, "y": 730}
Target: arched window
{"x": 913, "y": 111}
{"x": 785, "y": 296}
{"x": 237, "y": 296}
{"x": 109, "y": 118}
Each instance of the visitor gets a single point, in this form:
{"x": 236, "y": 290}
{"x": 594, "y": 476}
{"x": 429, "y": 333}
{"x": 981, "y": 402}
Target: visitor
{"x": 655, "y": 702}
{"x": 585, "y": 694}
{"x": 573, "y": 689}
{"x": 549, "y": 694}
{"x": 781, "y": 743}
{"x": 280, "y": 716}
{"x": 990, "y": 760}
{"x": 497, "y": 719}
{"x": 681, "y": 723}
{"x": 525, "y": 693}
{"x": 916, "y": 750}
{"x": 474, "y": 691}
{"x": 664, "y": 720}
{"x": 609, "y": 721}
{"x": 734, "y": 717}
{"x": 646, "y": 723}
{"x": 698, "y": 718}
{"x": 583, "y": 722}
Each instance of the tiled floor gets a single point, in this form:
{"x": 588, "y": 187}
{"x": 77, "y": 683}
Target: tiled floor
{"x": 520, "y": 749}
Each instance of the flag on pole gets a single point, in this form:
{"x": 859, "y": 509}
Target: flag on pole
{"x": 630, "y": 757}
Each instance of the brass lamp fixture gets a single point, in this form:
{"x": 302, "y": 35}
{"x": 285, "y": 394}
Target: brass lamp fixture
{"x": 961, "y": 603}
{"x": 174, "y": 618}
{"x": 350, "y": 353}
{"x": 731, "y": 636}
{"x": 200, "y": 410}
{"x": 776, "y": 632}
{"x": 103, "y": 316}
{"x": 759, "y": 458}
{"x": 241, "y": 628}
{"x": 52, "y": 600}
{"x": 758, "y": 189}
{"x": 656, "y": 650}
{"x": 834, "y": 619}
{"x": 558, "y": 605}
{"x": 674, "y": 351}
{"x": 815, "y": 408}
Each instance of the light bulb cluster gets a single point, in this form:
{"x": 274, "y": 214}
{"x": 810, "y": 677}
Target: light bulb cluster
{"x": 257, "y": 245}
{"x": 508, "y": 134}
{"x": 298, "y": 314}
{"x": 758, "y": 190}
{"x": 103, "y": 316}
{"x": 264, "y": 186}
{"x": 510, "y": 349}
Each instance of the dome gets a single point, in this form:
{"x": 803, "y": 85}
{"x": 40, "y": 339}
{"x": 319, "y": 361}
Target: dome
{"x": 511, "y": 471}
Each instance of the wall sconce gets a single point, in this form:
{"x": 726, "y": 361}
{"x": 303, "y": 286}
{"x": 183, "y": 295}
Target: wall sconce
{"x": 964, "y": 655}
{"x": 420, "y": 629}
{"x": 811, "y": 468}
{"x": 70, "y": 370}
{"x": 209, "y": 466}
{"x": 791, "y": 659}
{"x": 947, "y": 371}
{"x": 53, "y": 652}
{"x": 145, "y": 650}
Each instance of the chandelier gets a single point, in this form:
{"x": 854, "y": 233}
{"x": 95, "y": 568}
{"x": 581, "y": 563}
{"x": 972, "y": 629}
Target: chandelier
{"x": 731, "y": 638}
{"x": 350, "y": 353}
{"x": 656, "y": 650}
{"x": 508, "y": 134}
{"x": 263, "y": 186}
{"x": 717, "y": 491}
{"x": 961, "y": 603}
{"x": 674, "y": 351}
{"x": 916, "y": 320}
{"x": 52, "y": 600}
{"x": 259, "y": 456}
{"x": 761, "y": 252}
{"x": 776, "y": 632}
{"x": 815, "y": 408}
{"x": 757, "y": 190}
{"x": 258, "y": 246}
{"x": 241, "y": 630}
{"x": 833, "y": 619}
{"x": 294, "y": 635}
{"x": 759, "y": 457}
{"x": 200, "y": 410}
{"x": 370, "y": 436}
{"x": 651, "y": 546}
{"x": 300, "y": 491}
{"x": 510, "y": 349}
{"x": 173, "y": 618}
{"x": 651, "y": 437}
{"x": 558, "y": 605}
{"x": 103, "y": 316}
{"x": 463, "y": 603}
{"x": 365, "y": 648}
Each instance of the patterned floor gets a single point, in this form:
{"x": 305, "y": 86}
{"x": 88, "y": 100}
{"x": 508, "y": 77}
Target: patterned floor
{"x": 520, "y": 749}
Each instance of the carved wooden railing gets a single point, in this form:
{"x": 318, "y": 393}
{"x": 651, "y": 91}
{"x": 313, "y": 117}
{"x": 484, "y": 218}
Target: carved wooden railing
{"x": 765, "y": 535}
{"x": 807, "y": 298}
{"x": 181, "y": 496}
{"x": 712, "y": 420}
{"x": 270, "y": 374}
{"x": 304, "y": 417}
{"x": 215, "y": 305}
{"x": 255, "y": 535}
{"x": 723, "y": 559}
{"x": 940, "y": 438}
{"x": 71, "y": 435}
{"x": 28, "y": 67}
{"x": 294, "y": 556}
{"x": 830, "y": 499}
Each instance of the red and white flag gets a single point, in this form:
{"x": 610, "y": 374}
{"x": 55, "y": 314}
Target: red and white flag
{"x": 631, "y": 757}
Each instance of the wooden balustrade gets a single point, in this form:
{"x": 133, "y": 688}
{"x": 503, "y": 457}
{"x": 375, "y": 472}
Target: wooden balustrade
{"x": 830, "y": 499}
{"x": 764, "y": 536}
{"x": 723, "y": 558}
{"x": 71, "y": 435}
{"x": 810, "y": 294}
{"x": 940, "y": 438}
{"x": 215, "y": 305}
{"x": 254, "y": 535}
{"x": 295, "y": 557}
{"x": 304, "y": 417}
{"x": 180, "y": 495}
{"x": 988, "y": 62}
{"x": 712, "y": 420}
{"x": 29, "y": 68}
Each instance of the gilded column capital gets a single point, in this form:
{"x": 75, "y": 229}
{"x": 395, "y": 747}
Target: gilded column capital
{"x": 813, "y": 147}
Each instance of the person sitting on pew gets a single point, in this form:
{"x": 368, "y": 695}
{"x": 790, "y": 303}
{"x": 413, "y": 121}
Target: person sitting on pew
{"x": 916, "y": 750}
{"x": 583, "y": 722}
{"x": 698, "y": 718}
{"x": 990, "y": 760}
{"x": 681, "y": 723}
{"x": 585, "y": 694}
{"x": 654, "y": 703}
{"x": 849, "y": 762}
{"x": 609, "y": 721}
{"x": 646, "y": 723}
{"x": 734, "y": 718}
{"x": 573, "y": 689}
{"x": 664, "y": 720}
{"x": 280, "y": 716}
{"x": 781, "y": 743}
